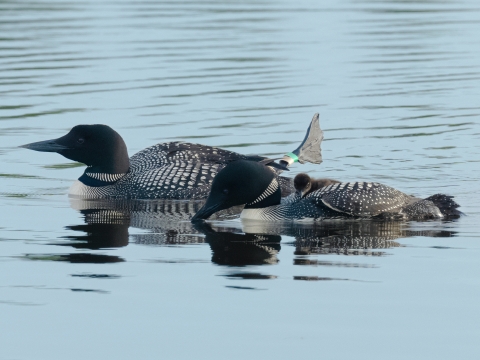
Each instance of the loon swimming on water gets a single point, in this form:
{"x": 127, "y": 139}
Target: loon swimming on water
{"x": 256, "y": 186}
{"x": 172, "y": 170}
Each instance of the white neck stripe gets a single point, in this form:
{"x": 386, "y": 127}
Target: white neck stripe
{"x": 272, "y": 187}
{"x": 106, "y": 177}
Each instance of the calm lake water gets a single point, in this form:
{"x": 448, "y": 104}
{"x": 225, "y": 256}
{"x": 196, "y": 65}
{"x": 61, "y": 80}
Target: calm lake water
{"x": 396, "y": 84}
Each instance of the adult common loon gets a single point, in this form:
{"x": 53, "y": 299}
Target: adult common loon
{"x": 172, "y": 170}
{"x": 253, "y": 184}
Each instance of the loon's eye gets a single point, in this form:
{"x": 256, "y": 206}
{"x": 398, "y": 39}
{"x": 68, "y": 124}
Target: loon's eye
{"x": 225, "y": 191}
{"x": 81, "y": 140}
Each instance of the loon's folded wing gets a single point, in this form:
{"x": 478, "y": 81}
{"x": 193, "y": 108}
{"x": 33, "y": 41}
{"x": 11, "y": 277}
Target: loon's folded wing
{"x": 363, "y": 199}
{"x": 164, "y": 154}
{"x": 183, "y": 170}
{"x": 167, "y": 153}
{"x": 175, "y": 180}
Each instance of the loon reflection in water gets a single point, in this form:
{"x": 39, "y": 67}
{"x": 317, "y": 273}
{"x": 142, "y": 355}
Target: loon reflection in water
{"x": 173, "y": 170}
{"x": 231, "y": 243}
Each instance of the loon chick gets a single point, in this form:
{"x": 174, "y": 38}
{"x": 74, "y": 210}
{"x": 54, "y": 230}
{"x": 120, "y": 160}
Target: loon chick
{"x": 250, "y": 183}
{"x": 171, "y": 170}
{"x": 304, "y": 184}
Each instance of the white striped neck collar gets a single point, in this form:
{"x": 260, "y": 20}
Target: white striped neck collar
{"x": 105, "y": 177}
{"x": 270, "y": 196}
{"x": 99, "y": 179}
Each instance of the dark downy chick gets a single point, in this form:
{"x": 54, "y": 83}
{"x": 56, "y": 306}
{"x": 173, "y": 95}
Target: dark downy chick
{"x": 304, "y": 184}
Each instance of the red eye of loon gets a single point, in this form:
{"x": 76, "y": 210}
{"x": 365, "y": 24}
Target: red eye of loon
{"x": 81, "y": 140}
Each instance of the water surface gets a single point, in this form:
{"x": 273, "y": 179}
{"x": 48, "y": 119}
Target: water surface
{"x": 396, "y": 86}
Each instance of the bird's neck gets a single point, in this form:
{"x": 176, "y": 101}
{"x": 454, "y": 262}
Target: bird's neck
{"x": 272, "y": 195}
{"x": 107, "y": 173}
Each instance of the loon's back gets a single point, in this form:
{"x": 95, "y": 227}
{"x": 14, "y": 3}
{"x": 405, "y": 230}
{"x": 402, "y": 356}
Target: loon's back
{"x": 357, "y": 200}
{"x": 363, "y": 199}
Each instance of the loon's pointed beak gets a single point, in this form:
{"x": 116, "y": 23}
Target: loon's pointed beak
{"x": 214, "y": 203}
{"x": 45, "y": 146}
{"x": 206, "y": 211}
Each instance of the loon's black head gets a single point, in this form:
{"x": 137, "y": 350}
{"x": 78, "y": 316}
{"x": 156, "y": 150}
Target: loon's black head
{"x": 241, "y": 182}
{"x": 302, "y": 183}
{"x": 98, "y": 146}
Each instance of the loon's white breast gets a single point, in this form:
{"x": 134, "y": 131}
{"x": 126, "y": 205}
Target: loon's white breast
{"x": 79, "y": 189}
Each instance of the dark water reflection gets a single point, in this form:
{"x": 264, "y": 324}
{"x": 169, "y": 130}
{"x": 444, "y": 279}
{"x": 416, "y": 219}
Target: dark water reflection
{"x": 76, "y": 258}
{"x": 107, "y": 226}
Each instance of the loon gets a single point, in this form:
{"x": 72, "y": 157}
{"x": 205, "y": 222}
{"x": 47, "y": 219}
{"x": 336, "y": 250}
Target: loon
{"x": 253, "y": 184}
{"x": 172, "y": 170}
{"x": 304, "y": 184}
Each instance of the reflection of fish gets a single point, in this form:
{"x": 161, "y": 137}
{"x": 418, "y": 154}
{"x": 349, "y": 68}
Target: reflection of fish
{"x": 246, "y": 182}
{"x": 169, "y": 171}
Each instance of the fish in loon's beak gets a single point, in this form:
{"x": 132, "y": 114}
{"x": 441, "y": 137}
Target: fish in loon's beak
{"x": 45, "y": 146}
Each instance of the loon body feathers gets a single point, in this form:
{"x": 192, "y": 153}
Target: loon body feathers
{"x": 169, "y": 170}
{"x": 352, "y": 200}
